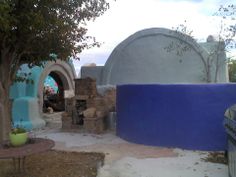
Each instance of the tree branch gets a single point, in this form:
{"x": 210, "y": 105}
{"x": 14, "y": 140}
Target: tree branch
{"x": 1, "y": 89}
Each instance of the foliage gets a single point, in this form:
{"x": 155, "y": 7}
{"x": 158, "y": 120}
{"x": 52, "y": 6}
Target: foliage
{"x": 34, "y": 31}
{"x": 232, "y": 70}
{"x": 227, "y": 30}
{"x": 225, "y": 41}
{"x": 18, "y": 128}
{"x": 31, "y": 30}
{"x": 181, "y": 47}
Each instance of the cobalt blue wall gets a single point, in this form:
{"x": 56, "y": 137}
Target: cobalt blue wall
{"x": 184, "y": 116}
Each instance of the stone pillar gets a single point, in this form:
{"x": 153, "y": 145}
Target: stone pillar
{"x": 94, "y": 125}
{"x": 85, "y": 86}
{"x": 66, "y": 121}
{"x": 92, "y": 122}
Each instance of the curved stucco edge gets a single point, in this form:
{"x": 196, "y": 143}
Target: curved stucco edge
{"x": 151, "y": 32}
{"x": 27, "y": 108}
{"x": 64, "y": 69}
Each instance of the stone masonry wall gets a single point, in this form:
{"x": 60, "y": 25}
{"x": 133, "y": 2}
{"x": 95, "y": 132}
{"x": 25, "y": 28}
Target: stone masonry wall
{"x": 98, "y": 105}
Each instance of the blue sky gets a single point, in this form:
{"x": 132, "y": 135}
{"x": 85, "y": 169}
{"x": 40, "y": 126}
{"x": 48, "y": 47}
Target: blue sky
{"x": 126, "y": 17}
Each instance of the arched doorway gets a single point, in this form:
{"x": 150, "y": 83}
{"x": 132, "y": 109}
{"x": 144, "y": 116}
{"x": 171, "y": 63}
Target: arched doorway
{"x": 27, "y": 107}
{"x": 53, "y": 93}
{"x": 63, "y": 75}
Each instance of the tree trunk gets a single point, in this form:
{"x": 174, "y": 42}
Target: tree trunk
{"x": 208, "y": 70}
{"x": 5, "y": 102}
{"x": 217, "y": 68}
{"x": 5, "y": 112}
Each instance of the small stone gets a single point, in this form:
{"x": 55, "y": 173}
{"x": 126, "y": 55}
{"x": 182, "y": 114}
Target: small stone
{"x": 89, "y": 113}
{"x": 50, "y": 110}
{"x": 100, "y": 114}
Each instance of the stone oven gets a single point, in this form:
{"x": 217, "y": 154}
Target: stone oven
{"x": 88, "y": 109}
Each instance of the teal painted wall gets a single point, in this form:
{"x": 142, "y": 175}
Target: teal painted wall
{"x": 27, "y": 99}
{"x": 25, "y": 108}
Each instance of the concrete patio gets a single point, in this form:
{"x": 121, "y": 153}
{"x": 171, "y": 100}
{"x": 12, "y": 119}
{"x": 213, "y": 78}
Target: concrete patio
{"x": 124, "y": 159}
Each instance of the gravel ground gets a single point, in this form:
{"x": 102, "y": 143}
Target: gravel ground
{"x": 56, "y": 164}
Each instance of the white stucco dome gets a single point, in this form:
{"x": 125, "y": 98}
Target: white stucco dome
{"x": 144, "y": 58}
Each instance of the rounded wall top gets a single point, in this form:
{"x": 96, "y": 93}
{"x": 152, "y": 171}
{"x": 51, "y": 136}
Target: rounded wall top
{"x": 156, "y": 31}
{"x": 143, "y": 52}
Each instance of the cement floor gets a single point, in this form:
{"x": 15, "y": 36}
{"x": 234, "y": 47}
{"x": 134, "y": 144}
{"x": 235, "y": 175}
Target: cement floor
{"x": 124, "y": 159}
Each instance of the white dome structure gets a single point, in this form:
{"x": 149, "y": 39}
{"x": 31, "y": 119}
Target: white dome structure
{"x": 159, "y": 55}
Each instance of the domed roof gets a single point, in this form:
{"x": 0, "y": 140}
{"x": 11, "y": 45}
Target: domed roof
{"x": 144, "y": 58}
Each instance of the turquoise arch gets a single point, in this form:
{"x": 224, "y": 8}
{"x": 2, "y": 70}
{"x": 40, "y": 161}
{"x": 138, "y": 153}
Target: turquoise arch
{"x": 26, "y": 107}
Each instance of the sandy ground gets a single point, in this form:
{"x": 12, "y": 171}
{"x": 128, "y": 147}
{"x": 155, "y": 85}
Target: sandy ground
{"x": 124, "y": 159}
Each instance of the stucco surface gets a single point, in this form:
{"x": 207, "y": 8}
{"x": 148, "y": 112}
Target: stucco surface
{"x": 188, "y": 116}
{"x": 28, "y": 98}
{"x": 143, "y": 58}
{"x": 94, "y": 72}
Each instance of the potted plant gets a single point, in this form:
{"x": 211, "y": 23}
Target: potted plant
{"x": 18, "y": 136}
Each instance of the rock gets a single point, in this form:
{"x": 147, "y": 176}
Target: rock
{"x": 50, "y": 110}
{"x": 100, "y": 114}
{"x": 89, "y": 113}
{"x": 64, "y": 114}
{"x": 94, "y": 125}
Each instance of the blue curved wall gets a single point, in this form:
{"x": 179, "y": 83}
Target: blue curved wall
{"x": 183, "y": 116}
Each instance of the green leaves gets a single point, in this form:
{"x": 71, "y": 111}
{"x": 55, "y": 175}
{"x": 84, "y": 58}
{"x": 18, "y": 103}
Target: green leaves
{"x": 232, "y": 70}
{"x": 33, "y": 29}
{"x": 4, "y": 16}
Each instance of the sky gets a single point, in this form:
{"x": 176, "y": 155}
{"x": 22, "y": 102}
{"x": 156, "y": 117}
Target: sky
{"x": 125, "y": 17}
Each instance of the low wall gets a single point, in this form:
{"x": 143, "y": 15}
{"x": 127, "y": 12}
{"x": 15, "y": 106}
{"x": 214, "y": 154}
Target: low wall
{"x": 183, "y": 116}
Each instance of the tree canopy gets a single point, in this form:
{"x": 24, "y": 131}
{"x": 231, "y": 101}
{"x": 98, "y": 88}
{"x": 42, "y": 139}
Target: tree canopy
{"x": 225, "y": 41}
{"x": 232, "y": 71}
{"x": 33, "y": 31}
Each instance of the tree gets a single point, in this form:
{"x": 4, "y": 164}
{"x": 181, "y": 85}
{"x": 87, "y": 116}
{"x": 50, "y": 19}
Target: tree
{"x": 225, "y": 41}
{"x": 32, "y": 30}
{"x": 227, "y": 33}
{"x": 232, "y": 70}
